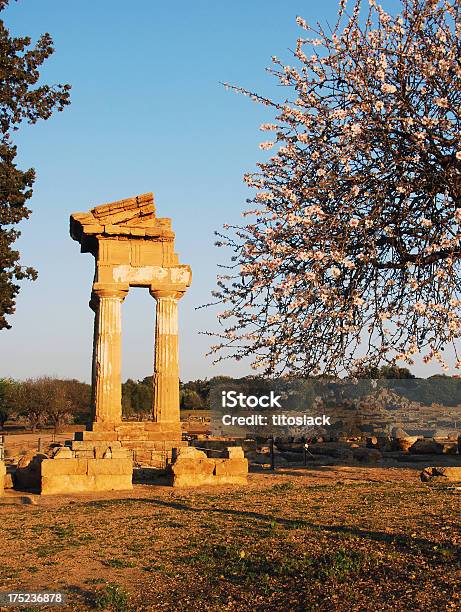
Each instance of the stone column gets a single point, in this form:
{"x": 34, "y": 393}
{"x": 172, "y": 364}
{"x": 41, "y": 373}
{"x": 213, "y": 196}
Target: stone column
{"x": 166, "y": 360}
{"x": 107, "y": 356}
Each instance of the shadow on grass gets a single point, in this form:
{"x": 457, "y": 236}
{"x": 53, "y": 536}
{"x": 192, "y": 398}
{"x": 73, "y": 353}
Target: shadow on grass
{"x": 87, "y": 596}
{"x": 406, "y": 462}
{"x": 451, "y": 553}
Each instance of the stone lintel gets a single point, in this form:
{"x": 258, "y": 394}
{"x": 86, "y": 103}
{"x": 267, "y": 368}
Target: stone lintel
{"x": 156, "y": 278}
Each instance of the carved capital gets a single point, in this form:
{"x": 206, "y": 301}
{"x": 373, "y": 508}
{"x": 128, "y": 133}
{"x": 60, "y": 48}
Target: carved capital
{"x": 159, "y": 294}
{"x": 99, "y": 293}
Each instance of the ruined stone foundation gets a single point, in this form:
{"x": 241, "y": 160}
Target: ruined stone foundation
{"x": 191, "y": 467}
{"x": 132, "y": 247}
{"x": 149, "y": 443}
{"x": 66, "y": 472}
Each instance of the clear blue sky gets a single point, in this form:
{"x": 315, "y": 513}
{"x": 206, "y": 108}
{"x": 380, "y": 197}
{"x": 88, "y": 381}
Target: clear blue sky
{"x": 148, "y": 113}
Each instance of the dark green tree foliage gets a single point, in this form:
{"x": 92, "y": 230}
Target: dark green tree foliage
{"x": 7, "y": 400}
{"x": 48, "y": 401}
{"x": 21, "y": 99}
{"x": 137, "y": 398}
{"x": 190, "y": 400}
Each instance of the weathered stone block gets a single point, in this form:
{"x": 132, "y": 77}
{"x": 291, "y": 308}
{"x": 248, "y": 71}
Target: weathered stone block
{"x": 382, "y": 443}
{"x": 170, "y": 426}
{"x": 450, "y": 448}
{"x": 84, "y": 454}
{"x": 426, "y": 447}
{"x": 235, "y": 452}
{"x": 441, "y": 474}
{"x": 114, "y": 482}
{"x": 120, "y": 453}
{"x": 134, "y": 436}
{"x": 189, "y": 468}
{"x": 8, "y": 482}
{"x": 109, "y": 466}
{"x": 32, "y": 459}
{"x": 95, "y": 436}
{"x": 167, "y": 445}
{"x": 63, "y": 467}
{"x": 102, "y": 427}
{"x": 130, "y": 427}
{"x": 74, "y": 483}
{"x": 199, "y": 467}
{"x": 367, "y": 455}
{"x": 231, "y": 467}
{"x": 189, "y": 452}
{"x": 64, "y": 484}
{"x": 157, "y": 459}
{"x": 338, "y": 450}
{"x": 142, "y": 457}
{"x": 92, "y": 444}
{"x": 63, "y": 452}
{"x": 404, "y": 444}
{"x": 85, "y": 475}
{"x": 170, "y": 436}
{"x": 2, "y": 477}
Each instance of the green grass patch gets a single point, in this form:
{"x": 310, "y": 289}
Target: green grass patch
{"x": 112, "y": 597}
{"x": 238, "y": 565}
{"x": 46, "y": 550}
{"x": 283, "y": 486}
{"x": 118, "y": 563}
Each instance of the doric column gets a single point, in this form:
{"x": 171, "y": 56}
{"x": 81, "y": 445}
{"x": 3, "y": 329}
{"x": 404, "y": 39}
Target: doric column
{"x": 166, "y": 364}
{"x": 107, "y": 355}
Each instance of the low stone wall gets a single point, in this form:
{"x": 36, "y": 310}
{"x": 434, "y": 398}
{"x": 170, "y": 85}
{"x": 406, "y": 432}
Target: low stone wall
{"x": 64, "y": 476}
{"x": 214, "y": 447}
{"x": 64, "y": 473}
{"x": 2, "y": 477}
{"x": 192, "y": 467}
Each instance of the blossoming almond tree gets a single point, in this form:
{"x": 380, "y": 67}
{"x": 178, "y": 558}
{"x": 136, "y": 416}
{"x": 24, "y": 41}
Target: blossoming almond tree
{"x": 352, "y": 255}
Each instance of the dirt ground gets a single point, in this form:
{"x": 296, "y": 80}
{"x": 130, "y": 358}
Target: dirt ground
{"x": 333, "y": 538}
{"x": 17, "y": 444}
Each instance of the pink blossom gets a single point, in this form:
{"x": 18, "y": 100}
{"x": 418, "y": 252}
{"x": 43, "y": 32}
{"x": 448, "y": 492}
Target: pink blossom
{"x": 388, "y": 88}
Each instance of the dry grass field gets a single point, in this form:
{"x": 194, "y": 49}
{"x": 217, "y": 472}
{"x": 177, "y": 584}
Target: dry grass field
{"x": 339, "y": 538}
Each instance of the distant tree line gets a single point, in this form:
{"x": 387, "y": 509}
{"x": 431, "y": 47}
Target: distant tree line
{"x": 44, "y": 401}
{"x": 436, "y": 389}
{"x": 52, "y": 401}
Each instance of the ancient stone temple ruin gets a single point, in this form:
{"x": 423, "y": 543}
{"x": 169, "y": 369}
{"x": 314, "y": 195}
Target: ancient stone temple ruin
{"x": 132, "y": 247}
